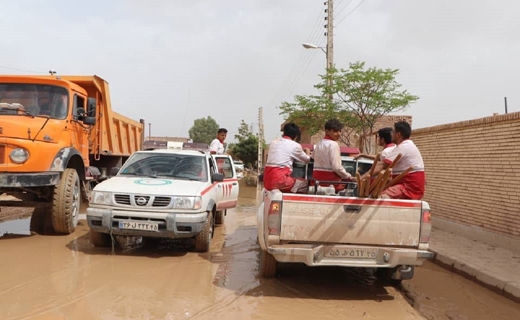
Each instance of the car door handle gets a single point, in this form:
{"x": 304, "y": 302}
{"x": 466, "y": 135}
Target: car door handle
{"x": 234, "y": 183}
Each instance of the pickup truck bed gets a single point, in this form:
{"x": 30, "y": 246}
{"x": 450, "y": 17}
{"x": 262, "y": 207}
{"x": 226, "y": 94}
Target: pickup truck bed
{"x": 333, "y": 230}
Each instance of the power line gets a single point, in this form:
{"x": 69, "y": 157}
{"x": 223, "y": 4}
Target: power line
{"x": 301, "y": 63}
{"x": 340, "y": 10}
{"x": 348, "y": 14}
{"x": 17, "y": 69}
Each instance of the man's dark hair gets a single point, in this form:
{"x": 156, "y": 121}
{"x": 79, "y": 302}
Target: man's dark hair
{"x": 333, "y": 124}
{"x": 291, "y": 130}
{"x": 222, "y": 130}
{"x": 403, "y": 128}
{"x": 385, "y": 134}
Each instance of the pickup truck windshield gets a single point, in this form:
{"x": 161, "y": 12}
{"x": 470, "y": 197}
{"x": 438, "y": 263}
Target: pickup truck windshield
{"x": 179, "y": 166}
{"x": 35, "y": 99}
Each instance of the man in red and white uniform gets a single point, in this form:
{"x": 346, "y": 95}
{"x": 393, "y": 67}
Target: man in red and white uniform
{"x": 282, "y": 153}
{"x": 217, "y": 145}
{"x": 412, "y": 185}
{"x": 327, "y": 157}
{"x": 384, "y": 140}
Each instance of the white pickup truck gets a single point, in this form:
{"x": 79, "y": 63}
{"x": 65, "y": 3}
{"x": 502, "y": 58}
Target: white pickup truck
{"x": 164, "y": 194}
{"x": 327, "y": 229}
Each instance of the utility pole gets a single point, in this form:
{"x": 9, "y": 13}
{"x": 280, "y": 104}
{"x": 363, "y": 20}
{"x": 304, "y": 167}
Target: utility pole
{"x": 149, "y": 131}
{"x": 505, "y": 103}
{"x": 260, "y": 140}
{"x": 330, "y": 36}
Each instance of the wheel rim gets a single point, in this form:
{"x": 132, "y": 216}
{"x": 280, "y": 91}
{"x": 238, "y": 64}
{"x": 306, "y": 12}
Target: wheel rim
{"x": 76, "y": 200}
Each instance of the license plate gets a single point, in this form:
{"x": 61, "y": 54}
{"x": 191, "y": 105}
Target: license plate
{"x": 351, "y": 253}
{"x": 139, "y": 225}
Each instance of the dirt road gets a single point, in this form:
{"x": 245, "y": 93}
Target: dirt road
{"x": 65, "y": 277}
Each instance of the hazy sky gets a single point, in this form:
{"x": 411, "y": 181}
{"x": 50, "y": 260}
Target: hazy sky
{"x": 171, "y": 62}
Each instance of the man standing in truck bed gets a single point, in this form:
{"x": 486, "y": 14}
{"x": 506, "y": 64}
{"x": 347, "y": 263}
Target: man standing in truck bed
{"x": 327, "y": 157}
{"x": 411, "y": 186}
{"x": 282, "y": 153}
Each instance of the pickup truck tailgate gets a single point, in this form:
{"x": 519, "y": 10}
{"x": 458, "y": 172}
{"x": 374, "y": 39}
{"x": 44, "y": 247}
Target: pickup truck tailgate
{"x": 346, "y": 220}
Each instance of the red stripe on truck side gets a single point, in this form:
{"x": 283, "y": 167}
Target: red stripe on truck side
{"x": 343, "y": 200}
{"x": 207, "y": 189}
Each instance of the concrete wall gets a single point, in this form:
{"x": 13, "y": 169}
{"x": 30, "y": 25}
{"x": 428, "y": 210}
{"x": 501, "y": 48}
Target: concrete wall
{"x": 473, "y": 173}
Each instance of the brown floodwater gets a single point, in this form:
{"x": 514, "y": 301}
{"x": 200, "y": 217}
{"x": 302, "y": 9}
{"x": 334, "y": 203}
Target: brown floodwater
{"x": 65, "y": 277}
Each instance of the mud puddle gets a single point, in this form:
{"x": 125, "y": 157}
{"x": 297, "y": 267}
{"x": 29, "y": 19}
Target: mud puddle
{"x": 65, "y": 277}
{"x": 20, "y": 227}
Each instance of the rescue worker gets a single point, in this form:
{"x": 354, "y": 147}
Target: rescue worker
{"x": 282, "y": 153}
{"x": 384, "y": 139}
{"x": 327, "y": 157}
{"x": 217, "y": 145}
{"x": 412, "y": 185}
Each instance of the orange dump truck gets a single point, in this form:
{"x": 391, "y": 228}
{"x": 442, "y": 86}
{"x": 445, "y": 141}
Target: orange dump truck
{"x": 58, "y": 138}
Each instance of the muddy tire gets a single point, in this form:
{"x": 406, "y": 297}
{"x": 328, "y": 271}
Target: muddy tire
{"x": 203, "y": 239}
{"x": 66, "y": 203}
{"x": 41, "y": 221}
{"x": 268, "y": 265}
{"x": 220, "y": 217}
{"x": 99, "y": 239}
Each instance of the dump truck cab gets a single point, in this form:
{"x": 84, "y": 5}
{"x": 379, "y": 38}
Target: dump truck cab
{"x": 52, "y": 129}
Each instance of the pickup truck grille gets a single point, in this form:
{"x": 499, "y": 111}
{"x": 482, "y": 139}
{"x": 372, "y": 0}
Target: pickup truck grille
{"x": 142, "y": 201}
{"x": 2, "y": 153}
{"x": 161, "y": 201}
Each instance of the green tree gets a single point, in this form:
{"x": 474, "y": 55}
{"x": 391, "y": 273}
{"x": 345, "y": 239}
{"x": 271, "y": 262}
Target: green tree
{"x": 361, "y": 96}
{"x": 243, "y": 131}
{"x": 246, "y": 149}
{"x": 204, "y": 130}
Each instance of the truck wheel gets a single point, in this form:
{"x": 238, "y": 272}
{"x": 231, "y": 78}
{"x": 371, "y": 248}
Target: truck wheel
{"x": 268, "y": 264}
{"x": 99, "y": 239}
{"x": 66, "y": 203}
{"x": 220, "y": 217}
{"x": 203, "y": 239}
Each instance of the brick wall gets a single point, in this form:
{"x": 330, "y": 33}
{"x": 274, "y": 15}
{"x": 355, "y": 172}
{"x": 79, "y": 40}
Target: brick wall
{"x": 473, "y": 172}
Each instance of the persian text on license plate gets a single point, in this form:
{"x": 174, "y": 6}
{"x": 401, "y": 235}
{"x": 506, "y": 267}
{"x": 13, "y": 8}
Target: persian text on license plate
{"x": 351, "y": 253}
{"x": 139, "y": 225}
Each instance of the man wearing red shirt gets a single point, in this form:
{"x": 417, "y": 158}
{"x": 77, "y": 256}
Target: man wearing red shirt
{"x": 411, "y": 186}
{"x": 282, "y": 153}
{"x": 327, "y": 157}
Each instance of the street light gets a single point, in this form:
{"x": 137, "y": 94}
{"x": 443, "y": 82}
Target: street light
{"x": 313, "y": 46}
{"x": 329, "y": 63}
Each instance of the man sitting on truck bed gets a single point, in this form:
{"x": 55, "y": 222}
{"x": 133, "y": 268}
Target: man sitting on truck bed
{"x": 282, "y": 153}
{"x": 384, "y": 139}
{"x": 327, "y": 157}
{"x": 411, "y": 186}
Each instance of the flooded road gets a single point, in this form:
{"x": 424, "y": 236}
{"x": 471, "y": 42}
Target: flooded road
{"x": 65, "y": 277}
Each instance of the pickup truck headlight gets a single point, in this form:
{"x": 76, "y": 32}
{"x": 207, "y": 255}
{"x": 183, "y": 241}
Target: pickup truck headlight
{"x": 187, "y": 203}
{"x": 100, "y": 197}
{"x": 19, "y": 155}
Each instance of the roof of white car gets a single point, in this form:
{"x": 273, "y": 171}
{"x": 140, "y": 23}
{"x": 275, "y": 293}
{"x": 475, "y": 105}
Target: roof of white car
{"x": 362, "y": 160}
{"x": 176, "y": 151}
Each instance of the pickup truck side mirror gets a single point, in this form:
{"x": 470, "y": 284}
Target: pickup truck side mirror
{"x": 114, "y": 171}
{"x": 217, "y": 177}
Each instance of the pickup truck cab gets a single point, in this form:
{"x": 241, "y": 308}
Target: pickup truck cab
{"x": 164, "y": 193}
{"x": 323, "y": 228}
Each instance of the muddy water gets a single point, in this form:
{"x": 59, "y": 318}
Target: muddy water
{"x": 65, "y": 277}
